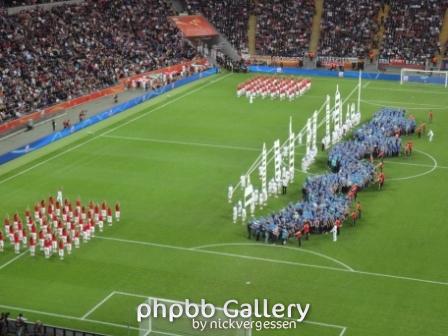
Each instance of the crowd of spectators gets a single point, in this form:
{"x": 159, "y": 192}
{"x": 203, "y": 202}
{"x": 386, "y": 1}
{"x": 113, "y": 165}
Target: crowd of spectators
{"x": 230, "y": 17}
{"x": 327, "y": 198}
{"x": 284, "y": 27}
{"x": 348, "y": 27}
{"x": 412, "y": 29}
{"x": 47, "y": 56}
{"x": 17, "y": 3}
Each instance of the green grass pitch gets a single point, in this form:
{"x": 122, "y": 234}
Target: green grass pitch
{"x": 169, "y": 162}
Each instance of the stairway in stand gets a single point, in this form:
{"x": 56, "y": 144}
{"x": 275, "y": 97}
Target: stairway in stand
{"x": 443, "y": 37}
{"x": 315, "y": 29}
{"x": 378, "y": 38}
{"x": 251, "y": 33}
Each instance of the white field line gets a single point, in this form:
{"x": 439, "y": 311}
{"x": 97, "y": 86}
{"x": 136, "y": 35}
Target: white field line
{"x": 239, "y": 148}
{"x": 122, "y": 326}
{"x": 404, "y": 103}
{"x": 174, "y": 142}
{"x": 162, "y": 333}
{"x": 322, "y": 324}
{"x": 429, "y": 171}
{"x": 97, "y": 306}
{"x": 415, "y": 164}
{"x": 234, "y": 255}
{"x": 17, "y": 257}
{"x": 404, "y": 106}
{"x": 421, "y": 91}
{"x": 302, "y": 250}
{"x": 138, "y": 117}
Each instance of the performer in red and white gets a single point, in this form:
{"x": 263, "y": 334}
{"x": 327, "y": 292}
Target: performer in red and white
{"x": 54, "y": 242}
{"x": 36, "y": 211}
{"x": 117, "y": 212}
{"x": 104, "y": 209}
{"x": 27, "y": 215}
{"x": 41, "y": 239}
{"x": 6, "y": 225}
{"x": 61, "y": 249}
{"x": 109, "y": 216}
{"x": 97, "y": 212}
{"x": 15, "y": 220}
{"x": 2, "y": 242}
{"x": 69, "y": 245}
{"x": 47, "y": 248}
{"x": 42, "y": 207}
{"x": 16, "y": 243}
{"x": 92, "y": 227}
{"x": 24, "y": 237}
{"x": 58, "y": 208}
{"x": 101, "y": 223}
{"x": 32, "y": 246}
{"x": 76, "y": 239}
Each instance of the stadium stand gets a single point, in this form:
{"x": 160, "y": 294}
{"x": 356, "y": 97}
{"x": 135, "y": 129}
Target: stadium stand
{"x": 17, "y": 3}
{"x": 412, "y": 30}
{"x": 230, "y": 17}
{"x": 283, "y": 27}
{"x": 38, "y": 69}
{"x": 348, "y": 28}
{"x": 97, "y": 43}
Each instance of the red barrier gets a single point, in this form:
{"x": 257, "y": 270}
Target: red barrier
{"x": 177, "y": 68}
{"x": 52, "y": 110}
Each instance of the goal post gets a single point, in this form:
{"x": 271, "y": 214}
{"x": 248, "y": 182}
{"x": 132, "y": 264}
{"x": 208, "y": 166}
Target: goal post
{"x": 185, "y": 324}
{"x": 436, "y": 77}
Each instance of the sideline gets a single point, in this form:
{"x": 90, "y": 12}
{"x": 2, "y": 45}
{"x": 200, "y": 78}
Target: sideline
{"x": 138, "y": 117}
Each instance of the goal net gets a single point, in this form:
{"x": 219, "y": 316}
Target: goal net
{"x": 424, "y": 77}
{"x": 217, "y": 325}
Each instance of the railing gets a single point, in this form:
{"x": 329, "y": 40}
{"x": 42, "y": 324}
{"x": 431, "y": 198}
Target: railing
{"x": 27, "y": 328}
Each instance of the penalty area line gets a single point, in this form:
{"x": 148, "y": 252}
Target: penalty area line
{"x": 17, "y": 257}
{"x": 103, "y": 301}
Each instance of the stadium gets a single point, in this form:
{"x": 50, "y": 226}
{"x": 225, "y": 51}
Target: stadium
{"x": 235, "y": 167}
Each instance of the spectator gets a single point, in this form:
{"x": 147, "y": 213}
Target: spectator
{"x": 4, "y": 324}
{"x": 20, "y": 325}
{"x": 38, "y": 329}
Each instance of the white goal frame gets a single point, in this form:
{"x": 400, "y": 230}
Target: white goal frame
{"x": 147, "y": 327}
{"x": 430, "y": 73}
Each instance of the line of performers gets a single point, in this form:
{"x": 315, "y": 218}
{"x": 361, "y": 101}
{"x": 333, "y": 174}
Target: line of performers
{"x": 273, "y": 87}
{"x": 57, "y": 226}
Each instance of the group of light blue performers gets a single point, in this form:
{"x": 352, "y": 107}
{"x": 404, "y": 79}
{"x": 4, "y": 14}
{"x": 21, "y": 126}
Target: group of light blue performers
{"x": 325, "y": 197}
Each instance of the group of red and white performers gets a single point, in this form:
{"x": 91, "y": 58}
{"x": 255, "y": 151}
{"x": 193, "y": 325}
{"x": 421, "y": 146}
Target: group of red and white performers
{"x": 273, "y": 87}
{"x": 56, "y": 226}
